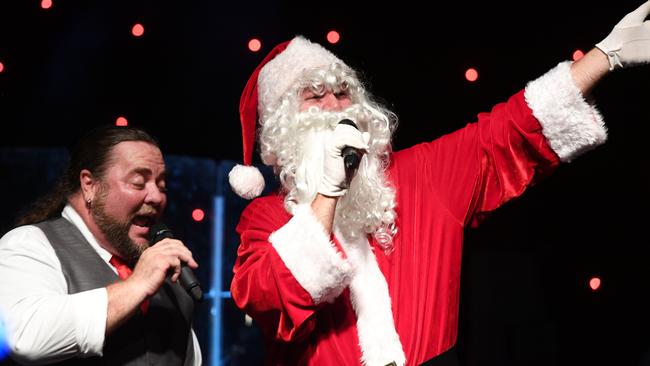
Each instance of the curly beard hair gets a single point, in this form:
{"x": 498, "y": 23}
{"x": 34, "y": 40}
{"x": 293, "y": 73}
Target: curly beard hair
{"x": 116, "y": 231}
{"x": 293, "y": 142}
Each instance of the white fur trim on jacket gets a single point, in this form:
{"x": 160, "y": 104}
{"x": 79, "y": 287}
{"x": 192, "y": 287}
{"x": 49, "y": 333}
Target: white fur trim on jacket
{"x": 371, "y": 301}
{"x": 306, "y": 250}
{"x": 570, "y": 124}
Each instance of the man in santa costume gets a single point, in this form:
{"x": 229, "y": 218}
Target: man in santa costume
{"x": 360, "y": 265}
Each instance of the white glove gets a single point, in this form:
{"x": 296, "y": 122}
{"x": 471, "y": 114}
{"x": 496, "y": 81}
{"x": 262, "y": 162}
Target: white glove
{"x": 629, "y": 41}
{"x": 335, "y": 181}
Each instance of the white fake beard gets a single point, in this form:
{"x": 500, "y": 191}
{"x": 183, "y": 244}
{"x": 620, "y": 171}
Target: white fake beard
{"x": 362, "y": 210}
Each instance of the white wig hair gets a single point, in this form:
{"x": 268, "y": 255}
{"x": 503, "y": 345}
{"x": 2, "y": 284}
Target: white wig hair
{"x": 292, "y": 142}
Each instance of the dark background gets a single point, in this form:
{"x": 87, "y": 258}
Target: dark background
{"x": 525, "y": 295}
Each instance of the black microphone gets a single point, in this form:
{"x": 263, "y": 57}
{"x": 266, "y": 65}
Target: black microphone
{"x": 187, "y": 279}
{"x": 351, "y": 156}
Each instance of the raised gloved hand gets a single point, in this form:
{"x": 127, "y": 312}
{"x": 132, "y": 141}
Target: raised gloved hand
{"x": 334, "y": 181}
{"x": 629, "y": 41}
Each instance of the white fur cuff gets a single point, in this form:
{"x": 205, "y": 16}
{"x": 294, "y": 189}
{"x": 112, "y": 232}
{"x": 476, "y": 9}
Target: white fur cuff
{"x": 313, "y": 260}
{"x": 569, "y": 123}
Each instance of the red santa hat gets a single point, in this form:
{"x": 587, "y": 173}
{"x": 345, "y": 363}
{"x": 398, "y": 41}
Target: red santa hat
{"x": 272, "y": 78}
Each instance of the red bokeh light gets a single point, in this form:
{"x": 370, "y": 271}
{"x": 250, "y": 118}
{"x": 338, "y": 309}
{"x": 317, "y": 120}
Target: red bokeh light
{"x": 594, "y": 283}
{"x": 577, "y": 55}
{"x": 121, "y": 121}
{"x": 46, "y": 4}
{"x": 2, "y": 67}
{"x": 333, "y": 37}
{"x": 471, "y": 74}
{"x": 254, "y": 45}
{"x": 137, "y": 30}
{"x": 198, "y": 214}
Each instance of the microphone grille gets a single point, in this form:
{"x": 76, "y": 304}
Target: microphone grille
{"x": 158, "y": 232}
{"x": 348, "y": 122}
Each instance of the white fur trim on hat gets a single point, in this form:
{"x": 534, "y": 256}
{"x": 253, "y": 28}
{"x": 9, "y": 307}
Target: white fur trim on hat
{"x": 246, "y": 181}
{"x": 277, "y": 76}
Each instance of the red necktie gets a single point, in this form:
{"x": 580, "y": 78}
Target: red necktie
{"x": 124, "y": 271}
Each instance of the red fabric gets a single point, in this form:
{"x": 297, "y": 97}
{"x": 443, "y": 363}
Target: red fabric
{"x": 442, "y": 188}
{"x": 124, "y": 271}
{"x": 248, "y": 105}
{"x": 339, "y": 247}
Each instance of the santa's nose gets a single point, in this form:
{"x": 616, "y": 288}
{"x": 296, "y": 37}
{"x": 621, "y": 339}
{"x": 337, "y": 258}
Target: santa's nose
{"x": 330, "y": 102}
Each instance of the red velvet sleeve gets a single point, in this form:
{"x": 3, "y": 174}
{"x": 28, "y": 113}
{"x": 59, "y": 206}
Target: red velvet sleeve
{"x": 262, "y": 285}
{"x": 480, "y": 167}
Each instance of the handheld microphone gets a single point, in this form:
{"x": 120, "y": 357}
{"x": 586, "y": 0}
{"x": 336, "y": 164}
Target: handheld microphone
{"x": 351, "y": 156}
{"x": 187, "y": 279}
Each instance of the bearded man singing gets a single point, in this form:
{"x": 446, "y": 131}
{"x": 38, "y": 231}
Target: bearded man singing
{"x": 80, "y": 283}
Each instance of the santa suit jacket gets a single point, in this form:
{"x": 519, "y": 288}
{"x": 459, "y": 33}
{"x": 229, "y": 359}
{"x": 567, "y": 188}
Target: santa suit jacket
{"x": 321, "y": 300}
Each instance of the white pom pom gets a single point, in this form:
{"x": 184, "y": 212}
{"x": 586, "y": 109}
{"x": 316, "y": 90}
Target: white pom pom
{"x": 246, "y": 181}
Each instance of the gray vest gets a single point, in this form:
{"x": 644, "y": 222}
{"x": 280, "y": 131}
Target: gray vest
{"x": 162, "y": 337}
